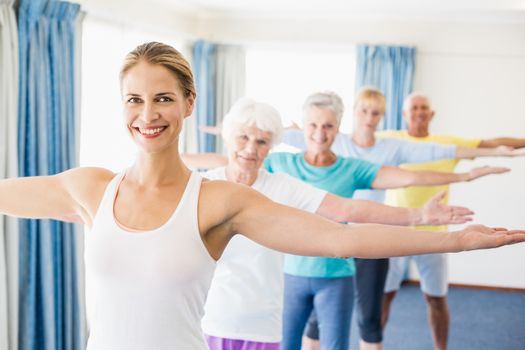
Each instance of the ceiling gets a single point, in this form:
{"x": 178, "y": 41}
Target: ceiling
{"x": 424, "y": 9}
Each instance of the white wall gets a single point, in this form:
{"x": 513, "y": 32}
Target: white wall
{"x": 475, "y": 73}
{"x": 481, "y": 95}
{"x": 142, "y": 16}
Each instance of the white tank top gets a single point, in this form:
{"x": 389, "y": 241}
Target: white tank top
{"x": 146, "y": 290}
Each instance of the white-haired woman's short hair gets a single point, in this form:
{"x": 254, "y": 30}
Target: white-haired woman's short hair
{"x": 325, "y": 100}
{"x": 248, "y": 112}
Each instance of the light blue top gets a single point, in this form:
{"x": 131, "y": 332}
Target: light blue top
{"x": 386, "y": 151}
{"x": 341, "y": 178}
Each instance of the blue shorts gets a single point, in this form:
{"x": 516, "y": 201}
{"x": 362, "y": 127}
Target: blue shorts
{"x": 433, "y": 272}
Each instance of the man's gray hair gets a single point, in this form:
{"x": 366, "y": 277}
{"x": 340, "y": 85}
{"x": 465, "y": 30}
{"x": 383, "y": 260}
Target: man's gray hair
{"x": 411, "y": 96}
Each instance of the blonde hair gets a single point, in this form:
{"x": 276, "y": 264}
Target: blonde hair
{"x": 161, "y": 54}
{"x": 368, "y": 93}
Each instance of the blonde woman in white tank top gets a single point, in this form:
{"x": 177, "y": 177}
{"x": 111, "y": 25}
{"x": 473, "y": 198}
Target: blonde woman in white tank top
{"x": 156, "y": 229}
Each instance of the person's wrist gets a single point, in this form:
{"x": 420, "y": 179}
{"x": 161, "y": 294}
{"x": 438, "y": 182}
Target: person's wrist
{"x": 454, "y": 242}
{"x": 416, "y": 216}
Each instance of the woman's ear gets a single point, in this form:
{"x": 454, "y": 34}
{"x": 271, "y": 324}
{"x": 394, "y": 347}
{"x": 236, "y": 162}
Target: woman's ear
{"x": 190, "y": 104}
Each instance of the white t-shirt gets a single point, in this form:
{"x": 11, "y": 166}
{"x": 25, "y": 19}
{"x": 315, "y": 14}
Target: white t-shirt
{"x": 246, "y": 296}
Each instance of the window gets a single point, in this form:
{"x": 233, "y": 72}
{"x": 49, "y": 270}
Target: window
{"x": 285, "y": 77}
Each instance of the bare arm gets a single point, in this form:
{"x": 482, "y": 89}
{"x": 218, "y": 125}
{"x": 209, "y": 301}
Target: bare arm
{"x": 432, "y": 213}
{"x": 294, "y": 231}
{"x": 293, "y": 126}
{"x": 204, "y": 160}
{"x": 394, "y": 177}
{"x": 213, "y": 130}
{"x": 497, "y": 151}
{"x": 65, "y": 196}
{"x": 503, "y": 141}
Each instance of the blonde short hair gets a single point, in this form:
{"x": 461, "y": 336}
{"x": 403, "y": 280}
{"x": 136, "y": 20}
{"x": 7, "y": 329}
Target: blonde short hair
{"x": 368, "y": 93}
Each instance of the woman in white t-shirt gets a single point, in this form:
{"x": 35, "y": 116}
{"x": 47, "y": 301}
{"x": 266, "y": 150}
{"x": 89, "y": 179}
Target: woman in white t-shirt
{"x": 244, "y": 304}
{"x": 157, "y": 229}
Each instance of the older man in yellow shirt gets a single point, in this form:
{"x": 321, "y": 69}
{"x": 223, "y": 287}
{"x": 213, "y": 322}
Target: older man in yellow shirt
{"x": 418, "y": 114}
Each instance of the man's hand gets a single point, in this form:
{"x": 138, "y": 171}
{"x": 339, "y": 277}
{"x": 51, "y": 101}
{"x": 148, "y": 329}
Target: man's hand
{"x": 518, "y": 152}
{"x": 484, "y": 171}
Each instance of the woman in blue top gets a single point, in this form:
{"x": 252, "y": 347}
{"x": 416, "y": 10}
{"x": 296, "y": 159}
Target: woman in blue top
{"x": 371, "y": 273}
{"x": 327, "y": 283}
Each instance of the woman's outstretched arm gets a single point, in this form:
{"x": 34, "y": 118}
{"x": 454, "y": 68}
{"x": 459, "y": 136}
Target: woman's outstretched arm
{"x": 393, "y": 177}
{"x": 65, "y": 196}
{"x": 497, "y": 151}
{"x": 354, "y": 210}
{"x": 294, "y": 231}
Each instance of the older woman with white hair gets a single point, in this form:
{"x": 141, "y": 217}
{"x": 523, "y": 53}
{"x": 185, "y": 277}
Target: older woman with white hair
{"x": 244, "y": 304}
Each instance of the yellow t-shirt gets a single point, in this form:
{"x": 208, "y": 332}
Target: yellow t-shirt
{"x": 416, "y": 196}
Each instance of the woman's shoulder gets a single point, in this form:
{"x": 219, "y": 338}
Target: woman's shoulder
{"x": 219, "y": 192}
{"x": 357, "y": 163}
{"x": 282, "y": 155}
{"x": 86, "y": 183}
{"x": 281, "y": 161}
{"x": 88, "y": 175}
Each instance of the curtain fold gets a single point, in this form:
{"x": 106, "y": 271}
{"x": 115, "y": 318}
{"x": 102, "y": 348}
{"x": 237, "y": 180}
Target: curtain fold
{"x": 220, "y": 78}
{"x": 50, "y": 316}
{"x": 204, "y": 75}
{"x": 8, "y": 168}
{"x": 230, "y": 82}
{"x": 391, "y": 70}
{"x": 79, "y": 259}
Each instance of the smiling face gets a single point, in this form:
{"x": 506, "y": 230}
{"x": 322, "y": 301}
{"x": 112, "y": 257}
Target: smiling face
{"x": 154, "y": 106}
{"x": 418, "y": 115}
{"x": 248, "y": 146}
{"x": 320, "y": 129}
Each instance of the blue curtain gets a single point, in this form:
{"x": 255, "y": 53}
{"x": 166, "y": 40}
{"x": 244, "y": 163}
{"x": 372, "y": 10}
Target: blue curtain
{"x": 204, "y": 69}
{"x": 49, "y": 301}
{"x": 391, "y": 70}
